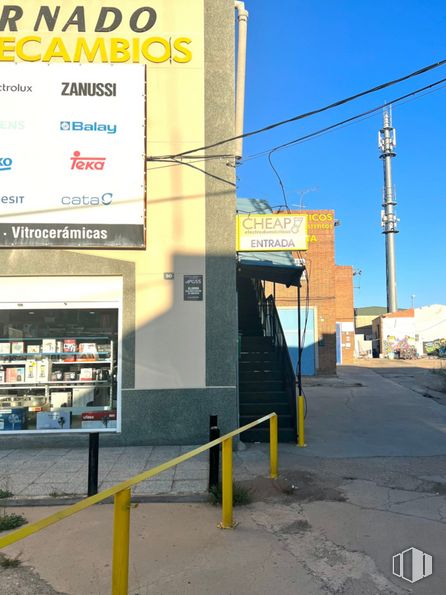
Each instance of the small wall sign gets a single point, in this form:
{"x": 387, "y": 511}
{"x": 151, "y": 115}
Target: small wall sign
{"x": 193, "y": 288}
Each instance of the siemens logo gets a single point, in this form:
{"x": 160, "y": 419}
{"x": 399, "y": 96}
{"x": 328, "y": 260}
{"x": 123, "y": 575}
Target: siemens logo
{"x": 12, "y": 124}
{"x": 88, "y": 89}
{"x": 88, "y": 201}
{"x": 88, "y": 127}
{"x": 5, "y": 163}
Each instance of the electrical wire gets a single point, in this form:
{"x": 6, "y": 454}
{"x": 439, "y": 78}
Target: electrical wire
{"x": 310, "y": 113}
{"x": 362, "y": 116}
{"x": 280, "y": 181}
{"x": 203, "y": 171}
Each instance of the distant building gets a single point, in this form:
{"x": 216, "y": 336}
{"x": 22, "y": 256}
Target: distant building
{"x": 415, "y": 332}
{"x": 364, "y": 318}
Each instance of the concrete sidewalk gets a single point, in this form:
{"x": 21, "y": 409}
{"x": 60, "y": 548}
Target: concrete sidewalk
{"x": 359, "y": 414}
{"x": 63, "y": 473}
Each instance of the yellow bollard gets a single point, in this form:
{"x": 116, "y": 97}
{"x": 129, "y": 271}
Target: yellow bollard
{"x": 121, "y": 538}
{"x": 301, "y": 422}
{"x": 273, "y": 447}
{"x": 227, "y": 522}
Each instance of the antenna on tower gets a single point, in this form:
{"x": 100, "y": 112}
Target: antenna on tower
{"x": 387, "y": 144}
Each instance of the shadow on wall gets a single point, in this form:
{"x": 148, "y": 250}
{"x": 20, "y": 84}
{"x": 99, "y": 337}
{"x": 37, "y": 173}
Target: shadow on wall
{"x": 185, "y": 367}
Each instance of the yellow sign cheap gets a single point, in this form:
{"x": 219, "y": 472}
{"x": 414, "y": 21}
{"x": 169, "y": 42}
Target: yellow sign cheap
{"x": 274, "y": 232}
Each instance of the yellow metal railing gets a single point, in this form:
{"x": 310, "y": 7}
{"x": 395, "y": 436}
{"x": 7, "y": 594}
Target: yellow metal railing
{"x": 122, "y": 500}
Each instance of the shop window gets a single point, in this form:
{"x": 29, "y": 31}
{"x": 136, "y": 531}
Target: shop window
{"x": 59, "y": 368}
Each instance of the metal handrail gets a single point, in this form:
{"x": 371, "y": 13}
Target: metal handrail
{"x": 272, "y": 327}
{"x": 122, "y": 500}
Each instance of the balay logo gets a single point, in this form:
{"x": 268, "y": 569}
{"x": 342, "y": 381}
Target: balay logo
{"x": 87, "y": 33}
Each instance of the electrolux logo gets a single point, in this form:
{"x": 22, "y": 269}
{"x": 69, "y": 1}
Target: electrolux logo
{"x": 76, "y": 126}
{"x": 12, "y": 124}
{"x": 87, "y": 163}
{"x": 18, "y": 88}
{"x": 71, "y": 89}
{"x": 5, "y": 163}
{"x": 86, "y": 200}
{"x": 412, "y": 565}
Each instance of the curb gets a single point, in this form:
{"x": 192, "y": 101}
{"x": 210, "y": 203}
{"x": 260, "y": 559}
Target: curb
{"x": 137, "y": 499}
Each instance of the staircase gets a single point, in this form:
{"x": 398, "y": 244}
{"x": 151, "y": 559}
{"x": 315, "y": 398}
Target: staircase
{"x": 266, "y": 376}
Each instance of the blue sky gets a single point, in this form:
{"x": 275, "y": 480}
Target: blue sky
{"x": 303, "y": 55}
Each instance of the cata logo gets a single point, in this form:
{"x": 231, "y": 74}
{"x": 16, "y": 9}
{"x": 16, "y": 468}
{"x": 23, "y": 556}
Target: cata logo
{"x": 412, "y": 565}
{"x": 5, "y": 163}
{"x": 77, "y": 126}
{"x": 86, "y": 200}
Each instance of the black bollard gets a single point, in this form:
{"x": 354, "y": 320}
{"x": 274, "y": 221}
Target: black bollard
{"x": 214, "y": 454}
{"x": 93, "y": 463}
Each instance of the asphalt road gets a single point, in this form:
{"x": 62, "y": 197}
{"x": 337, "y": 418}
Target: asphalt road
{"x": 370, "y": 484}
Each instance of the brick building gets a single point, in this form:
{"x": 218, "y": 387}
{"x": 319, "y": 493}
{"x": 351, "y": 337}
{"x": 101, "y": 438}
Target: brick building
{"x": 327, "y": 300}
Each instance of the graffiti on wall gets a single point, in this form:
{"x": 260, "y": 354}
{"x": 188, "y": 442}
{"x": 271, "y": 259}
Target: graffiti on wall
{"x": 436, "y": 348}
{"x": 404, "y": 348}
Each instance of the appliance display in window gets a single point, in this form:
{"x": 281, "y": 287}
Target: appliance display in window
{"x": 51, "y": 383}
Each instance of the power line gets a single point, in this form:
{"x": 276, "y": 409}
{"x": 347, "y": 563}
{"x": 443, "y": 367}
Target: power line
{"x": 307, "y": 114}
{"x": 362, "y": 115}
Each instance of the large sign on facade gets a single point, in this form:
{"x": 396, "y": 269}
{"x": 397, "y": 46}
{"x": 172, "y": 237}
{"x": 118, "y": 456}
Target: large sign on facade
{"x": 265, "y": 233}
{"x": 73, "y": 94}
{"x": 72, "y": 155}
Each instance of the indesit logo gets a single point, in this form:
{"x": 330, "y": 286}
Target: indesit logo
{"x": 412, "y": 565}
{"x": 88, "y": 201}
{"x": 5, "y": 163}
{"x": 76, "y": 126}
{"x": 17, "y": 88}
{"x": 87, "y": 163}
{"x": 88, "y": 89}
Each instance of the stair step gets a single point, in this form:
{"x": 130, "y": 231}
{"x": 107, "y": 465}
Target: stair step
{"x": 256, "y": 375}
{"x": 250, "y": 343}
{"x": 258, "y": 396}
{"x": 262, "y": 435}
{"x": 257, "y": 409}
{"x": 261, "y": 386}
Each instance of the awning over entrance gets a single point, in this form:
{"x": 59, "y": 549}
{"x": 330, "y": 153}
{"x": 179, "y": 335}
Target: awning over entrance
{"x": 278, "y": 267}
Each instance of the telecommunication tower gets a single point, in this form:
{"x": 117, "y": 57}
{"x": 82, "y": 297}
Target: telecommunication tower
{"x": 387, "y": 144}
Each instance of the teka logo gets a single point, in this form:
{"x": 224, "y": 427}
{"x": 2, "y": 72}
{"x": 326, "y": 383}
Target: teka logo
{"x": 12, "y": 124}
{"x": 87, "y": 163}
{"x": 412, "y": 565}
{"x": 76, "y": 126}
{"x": 5, "y": 163}
{"x": 18, "y": 88}
{"x": 88, "y": 89}
{"x": 85, "y": 200}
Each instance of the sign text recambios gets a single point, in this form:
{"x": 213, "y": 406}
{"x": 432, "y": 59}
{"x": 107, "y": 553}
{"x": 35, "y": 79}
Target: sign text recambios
{"x": 56, "y": 33}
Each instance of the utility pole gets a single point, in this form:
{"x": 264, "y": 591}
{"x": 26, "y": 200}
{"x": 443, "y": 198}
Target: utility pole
{"x": 387, "y": 144}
